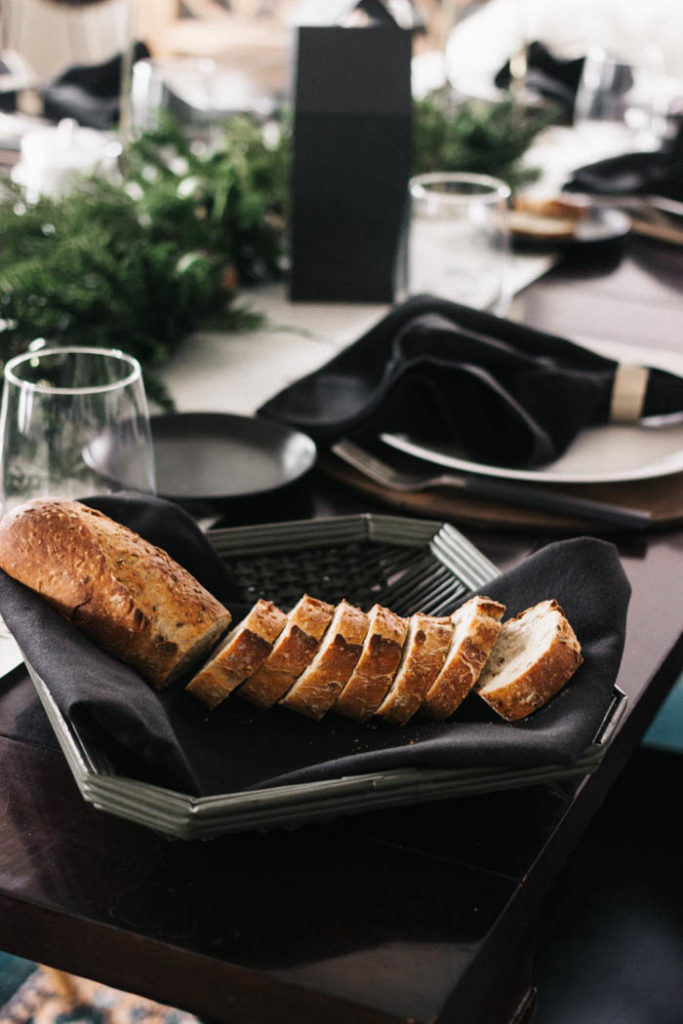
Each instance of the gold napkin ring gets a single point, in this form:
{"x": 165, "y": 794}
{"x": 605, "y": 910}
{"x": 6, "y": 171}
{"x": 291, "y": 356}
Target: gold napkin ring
{"x": 628, "y": 393}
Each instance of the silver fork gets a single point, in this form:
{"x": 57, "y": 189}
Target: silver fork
{"x": 494, "y": 489}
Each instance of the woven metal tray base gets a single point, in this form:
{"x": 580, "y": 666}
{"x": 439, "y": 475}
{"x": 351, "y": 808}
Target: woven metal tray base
{"x": 406, "y": 564}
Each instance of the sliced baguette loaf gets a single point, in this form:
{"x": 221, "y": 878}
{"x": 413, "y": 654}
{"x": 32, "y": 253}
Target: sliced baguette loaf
{"x": 476, "y": 626}
{"x": 127, "y": 595}
{"x": 244, "y": 649}
{"x": 291, "y": 653}
{"x": 424, "y": 652}
{"x": 319, "y": 685}
{"x": 376, "y": 667}
{"x": 535, "y": 654}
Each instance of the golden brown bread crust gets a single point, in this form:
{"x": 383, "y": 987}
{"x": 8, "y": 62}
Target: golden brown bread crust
{"x": 533, "y": 217}
{"x": 424, "y": 652}
{"x": 476, "y": 628}
{"x": 319, "y": 685}
{"x": 129, "y": 596}
{"x": 555, "y": 664}
{"x": 374, "y": 672}
{"x": 244, "y": 649}
{"x": 526, "y": 225}
{"x": 139, "y": 605}
{"x": 564, "y": 209}
{"x": 293, "y": 650}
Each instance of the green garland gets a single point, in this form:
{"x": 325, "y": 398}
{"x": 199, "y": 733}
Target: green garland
{"x": 140, "y": 264}
{"x": 477, "y": 137}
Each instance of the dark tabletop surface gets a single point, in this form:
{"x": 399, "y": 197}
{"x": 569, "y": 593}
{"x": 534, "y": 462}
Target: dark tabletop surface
{"x": 420, "y": 913}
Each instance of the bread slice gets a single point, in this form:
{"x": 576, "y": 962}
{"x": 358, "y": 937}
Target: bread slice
{"x": 551, "y": 206}
{"x": 545, "y": 218}
{"x": 424, "y": 652}
{"x": 535, "y": 654}
{"x": 374, "y": 673}
{"x": 531, "y": 225}
{"x": 127, "y": 595}
{"x": 244, "y": 649}
{"x": 319, "y": 685}
{"x": 291, "y": 653}
{"x": 476, "y": 625}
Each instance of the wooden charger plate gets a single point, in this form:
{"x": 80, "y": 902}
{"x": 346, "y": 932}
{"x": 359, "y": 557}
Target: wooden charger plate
{"x": 661, "y": 496}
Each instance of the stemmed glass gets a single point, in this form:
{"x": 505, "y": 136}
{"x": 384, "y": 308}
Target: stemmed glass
{"x": 74, "y": 421}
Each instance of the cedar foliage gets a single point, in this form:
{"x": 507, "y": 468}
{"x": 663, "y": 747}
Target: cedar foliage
{"x": 141, "y": 263}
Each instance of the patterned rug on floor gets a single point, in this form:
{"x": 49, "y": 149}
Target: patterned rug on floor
{"x": 50, "y": 997}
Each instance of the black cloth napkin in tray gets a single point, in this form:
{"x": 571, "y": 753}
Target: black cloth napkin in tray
{"x": 171, "y": 739}
{"x": 506, "y": 394}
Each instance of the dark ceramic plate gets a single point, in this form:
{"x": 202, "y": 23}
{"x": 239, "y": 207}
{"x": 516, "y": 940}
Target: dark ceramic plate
{"x": 602, "y": 224}
{"x": 206, "y": 460}
{"x": 214, "y": 458}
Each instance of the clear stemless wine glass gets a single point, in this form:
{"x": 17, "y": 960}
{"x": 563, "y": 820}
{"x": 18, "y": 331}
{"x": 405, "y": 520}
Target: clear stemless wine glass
{"x": 619, "y": 103}
{"x": 74, "y": 421}
{"x": 458, "y": 240}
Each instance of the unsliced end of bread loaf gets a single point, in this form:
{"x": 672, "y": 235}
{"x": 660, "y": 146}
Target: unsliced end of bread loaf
{"x": 319, "y": 685}
{"x": 536, "y": 653}
{"x": 476, "y": 626}
{"x": 127, "y": 595}
{"x": 244, "y": 649}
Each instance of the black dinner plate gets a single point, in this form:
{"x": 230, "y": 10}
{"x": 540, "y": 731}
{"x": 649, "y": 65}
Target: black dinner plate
{"x": 212, "y": 459}
{"x": 206, "y": 461}
{"x": 600, "y": 225}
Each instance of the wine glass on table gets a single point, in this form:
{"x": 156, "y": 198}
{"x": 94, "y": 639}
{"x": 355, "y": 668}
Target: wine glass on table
{"x": 618, "y": 107}
{"x": 73, "y": 422}
{"x": 457, "y": 241}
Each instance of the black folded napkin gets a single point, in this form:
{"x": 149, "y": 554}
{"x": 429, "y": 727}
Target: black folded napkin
{"x": 547, "y": 75}
{"x": 100, "y": 695}
{"x": 172, "y": 739}
{"x": 89, "y": 93}
{"x": 504, "y": 393}
{"x": 659, "y": 172}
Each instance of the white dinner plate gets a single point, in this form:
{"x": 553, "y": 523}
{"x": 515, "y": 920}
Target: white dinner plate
{"x": 606, "y": 454}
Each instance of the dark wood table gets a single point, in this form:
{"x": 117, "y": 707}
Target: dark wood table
{"x": 424, "y": 913}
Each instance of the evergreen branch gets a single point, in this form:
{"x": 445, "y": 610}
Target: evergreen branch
{"x": 141, "y": 264}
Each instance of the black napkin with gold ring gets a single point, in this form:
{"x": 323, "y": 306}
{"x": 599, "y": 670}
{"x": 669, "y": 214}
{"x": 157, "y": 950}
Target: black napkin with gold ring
{"x": 503, "y": 393}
